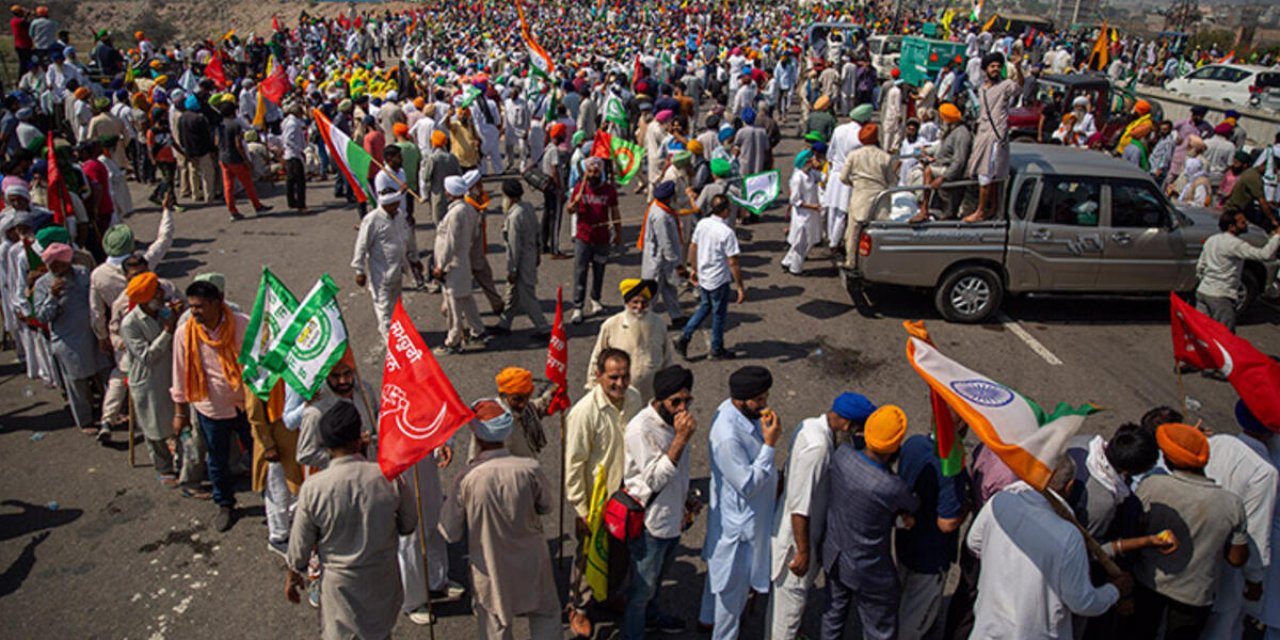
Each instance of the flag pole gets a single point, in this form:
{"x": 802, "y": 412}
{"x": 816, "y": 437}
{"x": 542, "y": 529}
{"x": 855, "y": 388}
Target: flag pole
{"x": 1182, "y": 391}
{"x": 1108, "y": 564}
{"x": 560, "y": 535}
{"x": 417, "y": 503}
{"x": 397, "y": 180}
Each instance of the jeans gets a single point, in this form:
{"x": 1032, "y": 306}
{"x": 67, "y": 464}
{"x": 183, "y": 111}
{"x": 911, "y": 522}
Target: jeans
{"x": 217, "y": 437}
{"x": 295, "y": 185}
{"x": 1181, "y": 621}
{"x": 168, "y": 181}
{"x": 650, "y": 559}
{"x": 714, "y": 302}
{"x": 326, "y": 165}
{"x": 550, "y": 222}
{"x": 593, "y": 257}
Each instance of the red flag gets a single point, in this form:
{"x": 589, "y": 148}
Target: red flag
{"x": 558, "y": 358}
{"x": 1202, "y": 342}
{"x": 275, "y": 23}
{"x": 276, "y": 83}
{"x": 213, "y": 71}
{"x": 420, "y": 409}
{"x": 59, "y": 198}
{"x": 602, "y": 146}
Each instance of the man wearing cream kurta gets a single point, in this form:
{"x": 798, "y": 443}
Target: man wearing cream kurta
{"x": 500, "y": 499}
{"x": 594, "y": 433}
{"x": 642, "y": 334}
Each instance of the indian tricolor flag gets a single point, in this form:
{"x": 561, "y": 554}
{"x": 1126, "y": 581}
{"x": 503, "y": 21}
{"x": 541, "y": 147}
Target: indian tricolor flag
{"x": 1025, "y": 437}
{"x": 540, "y": 63}
{"x": 352, "y": 160}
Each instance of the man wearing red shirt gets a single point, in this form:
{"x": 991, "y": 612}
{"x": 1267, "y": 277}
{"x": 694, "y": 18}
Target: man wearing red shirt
{"x": 375, "y": 143}
{"x": 99, "y": 203}
{"x": 595, "y": 200}
{"x": 21, "y": 37}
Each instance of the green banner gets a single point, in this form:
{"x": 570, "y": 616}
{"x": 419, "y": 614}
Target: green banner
{"x": 313, "y": 340}
{"x": 271, "y": 311}
{"x": 626, "y": 158}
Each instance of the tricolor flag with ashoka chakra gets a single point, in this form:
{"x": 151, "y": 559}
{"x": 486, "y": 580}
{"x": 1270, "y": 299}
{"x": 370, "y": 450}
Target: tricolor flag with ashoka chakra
{"x": 272, "y": 309}
{"x": 312, "y": 341}
{"x": 540, "y": 63}
{"x": 1015, "y": 428}
{"x": 352, "y": 160}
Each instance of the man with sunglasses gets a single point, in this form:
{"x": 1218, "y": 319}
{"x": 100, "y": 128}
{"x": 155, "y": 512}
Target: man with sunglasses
{"x": 656, "y": 473}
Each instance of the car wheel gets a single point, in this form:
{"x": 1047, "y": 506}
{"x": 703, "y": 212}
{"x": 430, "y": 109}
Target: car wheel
{"x": 969, "y": 295}
{"x": 1248, "y": 292}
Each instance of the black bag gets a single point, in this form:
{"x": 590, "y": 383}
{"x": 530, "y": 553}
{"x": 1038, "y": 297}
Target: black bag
{"x": 536, "y": 177}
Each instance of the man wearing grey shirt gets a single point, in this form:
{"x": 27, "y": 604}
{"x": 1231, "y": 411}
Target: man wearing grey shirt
{"x": 1220, "y": 265}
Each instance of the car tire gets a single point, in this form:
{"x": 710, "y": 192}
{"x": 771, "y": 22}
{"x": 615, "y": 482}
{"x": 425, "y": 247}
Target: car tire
{"x": 1250, "y": 290}
{"x": 969, "y": 295}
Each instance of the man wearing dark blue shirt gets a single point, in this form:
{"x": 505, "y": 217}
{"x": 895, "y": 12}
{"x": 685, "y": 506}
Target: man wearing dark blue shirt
{"x": 925, "y": 552}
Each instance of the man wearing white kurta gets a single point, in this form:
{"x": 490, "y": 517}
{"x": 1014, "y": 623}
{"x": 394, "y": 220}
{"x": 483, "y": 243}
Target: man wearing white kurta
{"x": 453, "y": 263}
{"x": 843, "y": 141}
{"x": 806, "y": 223}
{"x": 743, "y": 487}
{"x": 803, "y": 510}
{"x": 384, "y": 245}
{"x": 1039, "y": 570}
{"x": 1242, "y": 465}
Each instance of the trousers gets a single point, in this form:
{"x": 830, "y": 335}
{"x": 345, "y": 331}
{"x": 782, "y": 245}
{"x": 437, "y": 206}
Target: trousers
{"x": 650, "y": 559}
{"x": 460, "y": 307}
{"x": 543, "y": 625}
{"x": 385, "y": 292}
{"x": 593, "y": 257}
{"x": 114, "y": 409}
{"x": 279, "y": 503}
{"x": 238, "y": 172}
{"x": 836, "y": 221}
{"x": 161, "y": 457}
{"x": 714, "y": 303}
{"x": 670, "y": 296}
{"x": 877, "y": 609}
{"x": 295, "y": 183}
{"x": 217, "y": 438}
{"x": 786, "y": 604}
{"x": 518, "y": 299}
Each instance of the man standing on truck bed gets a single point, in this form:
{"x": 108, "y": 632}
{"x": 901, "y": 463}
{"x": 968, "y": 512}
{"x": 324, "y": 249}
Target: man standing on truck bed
{"x": 990, "y": 158}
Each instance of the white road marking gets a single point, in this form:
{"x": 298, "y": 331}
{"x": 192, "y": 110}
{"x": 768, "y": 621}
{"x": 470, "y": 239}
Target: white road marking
{"x": 1030, "y": 340}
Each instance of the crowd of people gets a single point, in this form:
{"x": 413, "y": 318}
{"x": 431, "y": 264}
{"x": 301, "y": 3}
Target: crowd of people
{"x": 442, "y": 98}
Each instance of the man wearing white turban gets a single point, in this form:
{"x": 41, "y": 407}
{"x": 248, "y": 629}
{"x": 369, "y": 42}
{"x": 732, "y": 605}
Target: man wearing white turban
{"x": 384, "y": 245}
{"x": 452, "y": 267}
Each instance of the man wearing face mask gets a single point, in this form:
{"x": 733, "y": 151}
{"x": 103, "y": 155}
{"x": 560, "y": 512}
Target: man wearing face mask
{"x": 856, "y": 554}
{"x": 61, "y": 301}
{"x": 147, "y": 332}
{"x": 639, "y": 333}
{"x": 662, "y": 260}
{"x": 656, "y": 474}
{"x": 595, "y": 201}
{"x": 744, "y": 432}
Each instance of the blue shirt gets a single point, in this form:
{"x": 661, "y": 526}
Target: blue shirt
{"x": 866, "y": 499}
{"x": 743, "y": 488}
{"x": 924, "y": 548}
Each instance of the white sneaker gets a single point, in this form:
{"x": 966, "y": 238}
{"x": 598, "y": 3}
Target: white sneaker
{"x": 594, "y": 307}
{"x": 451, "y": 591}
{"x": 576, "y": 318}
{"x": 421, "y": 616}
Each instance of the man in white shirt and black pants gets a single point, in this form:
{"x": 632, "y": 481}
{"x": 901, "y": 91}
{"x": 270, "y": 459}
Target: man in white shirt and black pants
{"x": 656, "y": 474}
{"x": 1220, "y": 266}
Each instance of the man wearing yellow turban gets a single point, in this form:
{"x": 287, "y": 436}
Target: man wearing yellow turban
{"x": 639, "y": 332}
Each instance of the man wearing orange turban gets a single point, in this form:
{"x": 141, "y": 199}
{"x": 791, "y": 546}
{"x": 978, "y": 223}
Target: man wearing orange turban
{"x": 1177, "y": 589}
{"x": 147, "y": 333}
{"x": 515, "y": 391}
{"x": 856, "y": 553}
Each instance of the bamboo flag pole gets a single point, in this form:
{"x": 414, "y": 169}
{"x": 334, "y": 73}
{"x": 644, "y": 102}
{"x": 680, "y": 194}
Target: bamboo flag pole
{"x": 560, "y": 535}
{"x": 1095, "y": 549}
{"x": 417, "y": 502}
{"x": 395, "y": 178}
{"x": 1182, "y": 391}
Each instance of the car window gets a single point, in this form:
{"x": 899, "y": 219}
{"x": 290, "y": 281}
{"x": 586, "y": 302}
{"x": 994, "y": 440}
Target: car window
{"x": 1203, "y": 74}
{"x": 892, "y": 46}
{"x": 1137, "y": 205}
{"x": 1236, "y": 75}
{"x": 1268, "y": 80}
{"x": 1069, "y": 201}
{"x": 1022, "y": 202}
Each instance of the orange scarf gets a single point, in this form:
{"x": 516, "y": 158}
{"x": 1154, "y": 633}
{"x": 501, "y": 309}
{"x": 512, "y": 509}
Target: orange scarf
{"x": 481, "y": 207}
{"x": 644, "y": 224}
{"x": 195, "y": 335}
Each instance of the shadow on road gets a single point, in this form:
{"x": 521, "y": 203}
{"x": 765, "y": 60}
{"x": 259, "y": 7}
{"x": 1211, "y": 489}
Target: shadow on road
{"x": 33, "y": 517}
{"x": 13, "y": 577}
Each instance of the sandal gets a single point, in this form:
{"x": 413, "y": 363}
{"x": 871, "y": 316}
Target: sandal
{"x": 196, "y": 494}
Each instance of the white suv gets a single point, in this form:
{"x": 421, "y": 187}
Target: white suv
{"x": 1232, "y": 83}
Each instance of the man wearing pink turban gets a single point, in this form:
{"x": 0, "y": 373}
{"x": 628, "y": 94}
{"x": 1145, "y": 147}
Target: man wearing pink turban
{"x": 61, "y": 301}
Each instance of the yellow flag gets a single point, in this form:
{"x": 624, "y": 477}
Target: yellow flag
{"x": 260, "y": 114}
{"x": 598, "y": 546}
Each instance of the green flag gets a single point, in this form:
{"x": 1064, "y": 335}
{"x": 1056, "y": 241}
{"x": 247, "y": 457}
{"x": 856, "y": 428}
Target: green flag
{"x": 314, "y": 339}
{"x": 760, "y": 189}
{"x": 469, "y": 95}
{"x": 614, "y": 112}
{"x": 626, "y": 158}
{"x": 271, "y": 310}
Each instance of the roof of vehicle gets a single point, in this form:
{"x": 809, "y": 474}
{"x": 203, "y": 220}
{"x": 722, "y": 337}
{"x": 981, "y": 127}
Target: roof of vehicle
{"x": 1073, "y": 79}
{"x": 1050, "y": 159}
{"x": 885, "y": 37}
{"x": 1255, "y": 68}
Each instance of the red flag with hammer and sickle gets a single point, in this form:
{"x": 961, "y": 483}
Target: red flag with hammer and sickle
{"x": 558, "y": 359}
{"x": 420, "y": 409}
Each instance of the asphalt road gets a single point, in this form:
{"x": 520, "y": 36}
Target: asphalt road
{"x": 123, "y": 557}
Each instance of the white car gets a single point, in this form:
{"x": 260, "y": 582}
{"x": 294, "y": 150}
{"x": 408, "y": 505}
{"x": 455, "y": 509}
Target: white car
{"x": 885, "y": 51}
{"x": 1232, "y": 83}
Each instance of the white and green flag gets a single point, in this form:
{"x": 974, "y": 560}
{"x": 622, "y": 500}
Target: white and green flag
{"x": 313, "y": 340}
{"x": 759, "y": 191}
{"x": 272, "y": 309}
{"x": 614, "y": 112}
